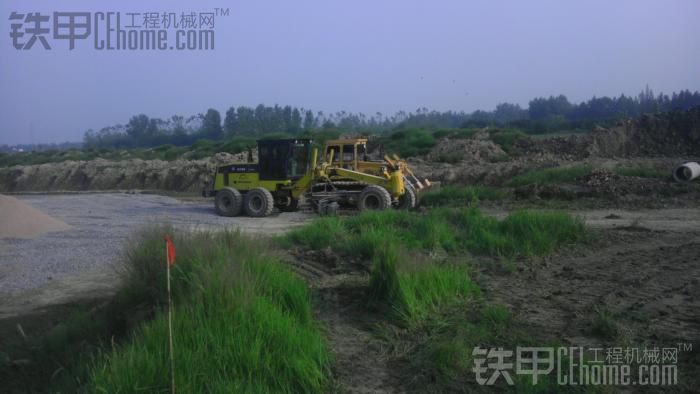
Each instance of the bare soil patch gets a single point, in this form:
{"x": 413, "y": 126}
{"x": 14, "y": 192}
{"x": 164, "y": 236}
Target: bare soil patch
{"x": 644, "y": 279}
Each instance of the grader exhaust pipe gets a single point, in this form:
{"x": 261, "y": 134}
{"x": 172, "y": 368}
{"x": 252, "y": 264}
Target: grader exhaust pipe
{"x": 686, "y": 172}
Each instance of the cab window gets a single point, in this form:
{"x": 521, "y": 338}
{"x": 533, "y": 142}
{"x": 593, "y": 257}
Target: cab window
{"x": 298, "y": 165}
{"x": 348, "y": 153}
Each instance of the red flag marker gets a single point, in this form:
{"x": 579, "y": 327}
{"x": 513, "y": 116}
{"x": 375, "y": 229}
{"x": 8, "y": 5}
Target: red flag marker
{"x": 170, "y": 250}
{"x": 170, "y": 261}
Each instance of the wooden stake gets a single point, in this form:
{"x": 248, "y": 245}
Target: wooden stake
{"x": 170, "y": 322}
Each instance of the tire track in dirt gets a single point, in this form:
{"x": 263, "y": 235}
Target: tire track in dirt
{"x": 360, "y": 362}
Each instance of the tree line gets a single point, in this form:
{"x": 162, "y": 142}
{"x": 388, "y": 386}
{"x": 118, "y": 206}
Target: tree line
{"x": 543, "y": 114}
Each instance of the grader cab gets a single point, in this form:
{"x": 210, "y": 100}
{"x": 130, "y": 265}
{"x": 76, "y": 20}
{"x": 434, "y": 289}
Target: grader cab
{"x": 288, "y": 170}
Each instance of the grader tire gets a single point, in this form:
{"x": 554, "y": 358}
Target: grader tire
{"x": 374, "y": 197}
{"x": 228, "y": 202}
{"x": 258, "y": 202}
{"x": 408, "y": 200}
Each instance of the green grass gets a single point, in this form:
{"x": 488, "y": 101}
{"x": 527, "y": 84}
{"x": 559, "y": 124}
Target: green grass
{"x": 642, "y": 171}
{"x": 522, "y": 233}
{"x": 463, "y": 195}
{"x": 409, "y": 142}
{"x": 411, "y": 292}
{"x": 550, "y": 175}
{"x": 242, "y": 322}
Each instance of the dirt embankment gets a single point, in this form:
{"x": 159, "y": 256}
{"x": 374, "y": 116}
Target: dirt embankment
{"x": 100, "y": 174}
{"x": 667, "y": 134}
{"x": 661, "y": 141}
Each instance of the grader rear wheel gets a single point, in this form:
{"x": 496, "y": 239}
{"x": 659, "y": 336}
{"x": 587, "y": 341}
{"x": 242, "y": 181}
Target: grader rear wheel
{"x": 228, "y": 202}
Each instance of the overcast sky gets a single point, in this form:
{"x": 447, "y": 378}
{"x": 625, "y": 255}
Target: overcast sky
{"x": 353, "y": 55}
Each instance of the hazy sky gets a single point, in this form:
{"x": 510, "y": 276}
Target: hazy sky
{"x": 353, "y": 55}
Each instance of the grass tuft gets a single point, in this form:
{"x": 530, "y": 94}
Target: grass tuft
{"x": 603, "y": 325}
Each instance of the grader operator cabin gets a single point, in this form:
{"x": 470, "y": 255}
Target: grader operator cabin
{"x": 288, "y": 170}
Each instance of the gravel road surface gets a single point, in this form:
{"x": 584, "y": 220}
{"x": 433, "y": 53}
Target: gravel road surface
{"x": 101, "y": 223}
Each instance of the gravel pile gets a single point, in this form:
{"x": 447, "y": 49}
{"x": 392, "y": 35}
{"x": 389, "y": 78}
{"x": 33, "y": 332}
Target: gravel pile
{"x": 20, "y": 220}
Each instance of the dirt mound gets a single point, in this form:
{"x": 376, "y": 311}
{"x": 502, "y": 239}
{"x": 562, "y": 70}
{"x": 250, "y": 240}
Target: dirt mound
{"x": 674, "y": 133}
{"x": 20, "y": 220}
{"x": 477, "y": 149}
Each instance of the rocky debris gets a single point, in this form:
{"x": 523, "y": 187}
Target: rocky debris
{"x": 575, "y": 147}
{"x": 223, "y": 158}
{"x": 481, "y": 173}
{"x": 598, "y": 177}
{"x": 479, "y": 148}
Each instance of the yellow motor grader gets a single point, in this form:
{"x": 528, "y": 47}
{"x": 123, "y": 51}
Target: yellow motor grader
{"x": 289, "y": 169}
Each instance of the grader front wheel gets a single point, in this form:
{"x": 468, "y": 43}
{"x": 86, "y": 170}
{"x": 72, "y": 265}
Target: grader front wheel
{"x": 374, "y": 197}
{"x": 408, "y": 200}
{"x": 258, "y": 202}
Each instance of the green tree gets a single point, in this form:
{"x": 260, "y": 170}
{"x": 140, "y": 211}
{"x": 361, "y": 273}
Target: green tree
{"x": 138, "y": 127}
{"x": 231, "y": 123}
{"x": 211, "y": 126}
{"x": 295, "y": 126}
{"x": 309, "y": 120}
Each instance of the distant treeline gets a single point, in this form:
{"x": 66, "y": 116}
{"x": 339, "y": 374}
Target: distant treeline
{"x": 544, "y": 114}
{"x": 39, "y": 147}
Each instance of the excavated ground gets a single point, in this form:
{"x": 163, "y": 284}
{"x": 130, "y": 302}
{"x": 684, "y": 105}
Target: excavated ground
{"x": 641, "y": 268}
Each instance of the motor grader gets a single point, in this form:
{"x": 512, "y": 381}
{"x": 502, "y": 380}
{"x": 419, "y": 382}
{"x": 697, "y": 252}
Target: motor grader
{"x": 289, "y": 169}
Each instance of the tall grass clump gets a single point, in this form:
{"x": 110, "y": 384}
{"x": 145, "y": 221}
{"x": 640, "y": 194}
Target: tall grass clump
{"x": 242, "y": 322}
{"x": 413, "y": 291}
{"x": 462, "y": 195}
{"x": 550, "y": 175}
{"x": 361, "y": 235}
{"x": 522, "y": 233}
